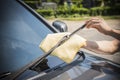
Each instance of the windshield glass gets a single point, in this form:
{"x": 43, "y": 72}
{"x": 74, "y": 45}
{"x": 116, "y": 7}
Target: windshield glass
{"x": 20, "y": 36}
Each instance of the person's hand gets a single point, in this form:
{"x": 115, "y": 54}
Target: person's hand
{"x": 105, "y": 46}
{"x": 99, "y": 24}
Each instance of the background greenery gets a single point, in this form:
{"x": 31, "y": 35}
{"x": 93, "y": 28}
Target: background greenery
{"x": 76, "y": 9}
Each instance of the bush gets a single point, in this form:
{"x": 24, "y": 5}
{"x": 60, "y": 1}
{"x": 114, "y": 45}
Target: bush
{"x": 96, "y": 11}
{"x": 83, "y": 11}
{"x": 115, "y": 10}
{"x": 31, "y": 4}
{"x": 75, "y": 11}
{"x": 105, "y": 11}
{"x": 45, "y": 12}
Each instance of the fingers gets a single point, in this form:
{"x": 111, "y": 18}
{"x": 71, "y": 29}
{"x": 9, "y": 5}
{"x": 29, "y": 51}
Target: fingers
{"x": 96, "y": 26}
{"x": 94, "y": 18}
{"x": 99, "y": 24}
{"x": 93, "y": 23}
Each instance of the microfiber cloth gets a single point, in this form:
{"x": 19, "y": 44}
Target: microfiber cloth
{"x": 68, "y": 50}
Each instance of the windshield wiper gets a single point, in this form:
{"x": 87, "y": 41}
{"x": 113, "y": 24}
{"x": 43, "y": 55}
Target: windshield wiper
{"x": 33, "y": 64}
{"x": 4, "y": 74}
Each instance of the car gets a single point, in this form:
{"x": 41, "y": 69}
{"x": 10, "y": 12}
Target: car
{"x": 22, "y": 30}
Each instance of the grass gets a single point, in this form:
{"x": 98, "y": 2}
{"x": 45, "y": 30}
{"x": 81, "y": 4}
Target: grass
{"x": 112, "y": 17}
{"x": 83, "y": 17}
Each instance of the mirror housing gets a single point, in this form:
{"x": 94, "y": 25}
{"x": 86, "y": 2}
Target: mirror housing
{"x": 60, "y": 26}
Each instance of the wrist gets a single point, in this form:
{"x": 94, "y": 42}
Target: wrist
{"x": 115, "y": 33}
{"x": 109, "y": 32}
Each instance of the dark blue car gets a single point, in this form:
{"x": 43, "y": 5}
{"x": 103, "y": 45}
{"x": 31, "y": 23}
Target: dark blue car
{"x": 22, "y": 30}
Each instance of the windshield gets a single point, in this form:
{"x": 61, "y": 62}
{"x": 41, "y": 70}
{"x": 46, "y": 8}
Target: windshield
{"x": 20, "y": 35}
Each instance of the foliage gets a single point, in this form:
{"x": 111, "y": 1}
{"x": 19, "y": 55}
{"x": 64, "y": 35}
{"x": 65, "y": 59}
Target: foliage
{"x": 105, "y": 11}
{"x": 31, "y": 4}
{"x": 45, "y": 12}
{"x": 77, "y": 9}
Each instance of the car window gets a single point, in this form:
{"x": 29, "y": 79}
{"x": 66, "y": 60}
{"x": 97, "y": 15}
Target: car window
{"x": 20, "y": 35}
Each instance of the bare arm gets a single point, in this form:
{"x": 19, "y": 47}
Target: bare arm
{"x": 115, "y": 33}
{"x": 104, "y": 47}
{"x": 103, "y": 27}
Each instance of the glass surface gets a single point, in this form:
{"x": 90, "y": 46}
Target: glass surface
{"x": 20, "y": 36}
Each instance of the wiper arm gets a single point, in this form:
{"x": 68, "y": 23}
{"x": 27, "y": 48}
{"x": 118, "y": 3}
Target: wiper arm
{"x": 33, "y": 64}
{"x": 4, "y": 74}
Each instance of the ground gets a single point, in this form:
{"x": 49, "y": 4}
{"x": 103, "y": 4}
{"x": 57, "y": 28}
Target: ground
{"x": 92, "y": 34}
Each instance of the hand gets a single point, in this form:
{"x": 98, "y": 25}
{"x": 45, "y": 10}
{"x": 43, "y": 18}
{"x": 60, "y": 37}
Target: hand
{"x": 99, "y": 24}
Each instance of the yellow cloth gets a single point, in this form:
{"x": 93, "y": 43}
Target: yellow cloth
{"x": 67, "y": 51}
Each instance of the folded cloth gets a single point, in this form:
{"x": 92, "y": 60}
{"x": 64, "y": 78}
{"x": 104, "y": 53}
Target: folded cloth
{"x": 67, "y": 51}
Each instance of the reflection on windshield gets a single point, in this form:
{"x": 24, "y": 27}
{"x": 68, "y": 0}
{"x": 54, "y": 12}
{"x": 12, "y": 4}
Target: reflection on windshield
{"x": 20, "y": 35}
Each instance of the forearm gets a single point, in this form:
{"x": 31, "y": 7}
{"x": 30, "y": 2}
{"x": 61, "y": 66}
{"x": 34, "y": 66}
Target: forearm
{"x": 114, "y": 33}
{"x": 104, "y": 47}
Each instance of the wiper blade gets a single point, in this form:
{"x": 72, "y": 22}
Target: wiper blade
{"x": 4, "y": 74}
{"x": 33, "y": 64}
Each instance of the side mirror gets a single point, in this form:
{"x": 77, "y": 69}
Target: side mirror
{"x": 60, "y": 26}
